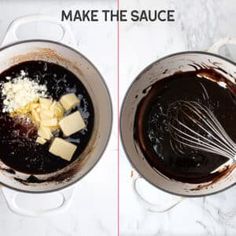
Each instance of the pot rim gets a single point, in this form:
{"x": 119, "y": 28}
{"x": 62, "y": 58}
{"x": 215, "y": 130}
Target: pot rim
{"x": 68, "y": 184}
{"x": 138, "y": 77}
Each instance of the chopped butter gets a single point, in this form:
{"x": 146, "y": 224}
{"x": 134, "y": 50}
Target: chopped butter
{"x": 45, "y": 103}
{"x": 49, "y": 122}
{"x": 69, "y": 101}
{"x": 62, "y": 148}
{"x": 72, "y": 123}
{"x": 45, "y": 114}
{"x": 41, "y": 140}
{"x": 35, "y": 116}
{"x": 45, "y": 132}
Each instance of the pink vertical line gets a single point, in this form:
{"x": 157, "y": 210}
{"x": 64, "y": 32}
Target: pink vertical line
{"x": 118, "y": 112}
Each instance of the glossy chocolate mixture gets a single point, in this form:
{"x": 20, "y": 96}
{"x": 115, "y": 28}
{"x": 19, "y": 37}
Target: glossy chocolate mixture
{"x": 151, "y": 129}
{"x": 18, "y": 148}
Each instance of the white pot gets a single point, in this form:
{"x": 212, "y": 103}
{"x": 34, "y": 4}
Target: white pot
{"x": 152, "y": 74}
{"x": 75, "y": 62}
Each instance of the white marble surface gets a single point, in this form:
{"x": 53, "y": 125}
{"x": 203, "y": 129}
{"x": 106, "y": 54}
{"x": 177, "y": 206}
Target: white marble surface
{"x": 94, "y": 206}
{"x": 199, "y": 23}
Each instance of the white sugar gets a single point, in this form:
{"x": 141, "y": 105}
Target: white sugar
{"x": 20, "y": 91}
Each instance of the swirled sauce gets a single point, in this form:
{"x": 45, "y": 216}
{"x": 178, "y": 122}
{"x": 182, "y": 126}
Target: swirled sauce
{"x": 205, "y": 86}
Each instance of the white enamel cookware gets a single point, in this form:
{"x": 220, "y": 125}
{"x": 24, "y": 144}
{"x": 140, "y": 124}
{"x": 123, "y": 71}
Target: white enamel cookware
{"x": 14, "y": 51}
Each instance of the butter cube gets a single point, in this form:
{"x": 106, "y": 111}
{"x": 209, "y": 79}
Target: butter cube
{"x": 49, "y": 122}
{"x": 57, "y": 109}
{"x": 72, "y": 123}
{"x": 69, "y": 101}
{"x": 35, "y": 116}
{"x": 54, "y": 128}
{"x": 45, "y": 132}
{"x": 46, "y": 114}
{"x": 45, "y": 103}
{"x": 34, "y": 106}
{"x": 41, "y": 140}
{"x": 62, "y": 148}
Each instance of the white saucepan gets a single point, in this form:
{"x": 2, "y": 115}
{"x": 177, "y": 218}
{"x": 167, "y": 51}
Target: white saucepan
{"x": 152, "y": 74}
{"x": 59, "y": 53}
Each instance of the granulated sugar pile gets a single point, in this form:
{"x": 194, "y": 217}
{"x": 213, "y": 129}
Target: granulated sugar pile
{"x": 20, "y": 91}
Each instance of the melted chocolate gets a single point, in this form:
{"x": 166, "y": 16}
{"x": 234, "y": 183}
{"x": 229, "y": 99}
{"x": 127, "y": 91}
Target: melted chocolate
{"x": 151, "y": 129}
{"x": 18, "y": 148}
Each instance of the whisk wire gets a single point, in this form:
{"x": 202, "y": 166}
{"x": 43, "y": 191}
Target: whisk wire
{"x": 220, "y": 139}
{"x": 201, "y": 145}
{"x": 218, "y": 129}
{"x": 195, "y": 126}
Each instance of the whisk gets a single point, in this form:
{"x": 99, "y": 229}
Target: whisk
{"x": 195, "y": 126}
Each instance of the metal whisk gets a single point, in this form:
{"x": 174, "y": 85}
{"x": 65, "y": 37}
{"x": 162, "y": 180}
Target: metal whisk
{"x": 194, "y": 126}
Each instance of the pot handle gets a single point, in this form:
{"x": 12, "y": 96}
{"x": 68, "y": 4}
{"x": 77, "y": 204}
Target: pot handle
{"x": 219, "y": 44}
{"x": 11, "y": 35}
{"x": 162, "y": 206}
{"x": 11, "y": 200}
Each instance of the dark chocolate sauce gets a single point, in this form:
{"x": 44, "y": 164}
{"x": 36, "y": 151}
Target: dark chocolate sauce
{"x": 18, "y": 148}
{"x": 151, "y": 129}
